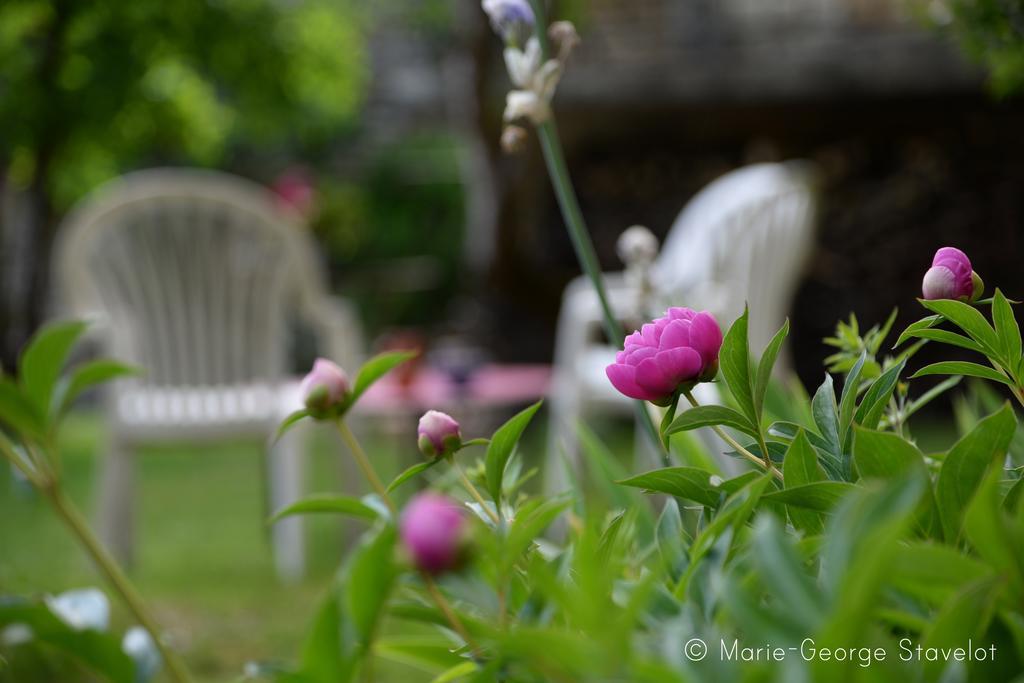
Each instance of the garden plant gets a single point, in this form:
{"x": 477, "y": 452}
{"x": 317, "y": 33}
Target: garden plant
{"x": 839, "y": 552}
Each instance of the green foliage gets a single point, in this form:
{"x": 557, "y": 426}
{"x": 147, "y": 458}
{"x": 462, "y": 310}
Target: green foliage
{"x": 373, "y": 230}
{"x": 99, "y": 652}
{"x": 499, "y": 450}
{"x": 991, "y": 32}
{"x": 343, "y": 629}
{"x": 849, "y": 536}
{"x": 32, "y": 405}
{"x": 104, "y": 86}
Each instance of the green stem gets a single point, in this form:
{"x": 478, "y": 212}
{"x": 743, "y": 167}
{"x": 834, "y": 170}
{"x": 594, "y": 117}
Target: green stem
{"x": 74, "y": 519}
{"x": 449, "y": 613}
{"x": 472, "y": 490}
{"x": 670, "y": 415}
{"x": 31, "y": 469}
{"x": 554, "y": 157}
{"x": 558, "y": 170}
{"x": 765, "y": 463}
{"x": 364, "y": 464}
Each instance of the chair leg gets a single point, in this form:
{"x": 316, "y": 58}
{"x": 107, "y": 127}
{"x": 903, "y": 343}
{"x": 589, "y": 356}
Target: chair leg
{"x": 116, "y": 525}
{"x": 285, "y": 467}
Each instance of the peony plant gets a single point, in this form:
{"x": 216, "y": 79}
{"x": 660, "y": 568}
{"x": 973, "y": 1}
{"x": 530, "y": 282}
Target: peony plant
{"x": 843, "y": 542}
{"x": 837, "y": 550}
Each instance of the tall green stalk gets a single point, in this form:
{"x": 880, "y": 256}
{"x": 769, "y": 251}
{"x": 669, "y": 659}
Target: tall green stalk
{"x": 558, "y": 170}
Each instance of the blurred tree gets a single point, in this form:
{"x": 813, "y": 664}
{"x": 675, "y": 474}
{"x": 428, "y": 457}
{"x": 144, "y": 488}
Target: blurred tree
{"x": 991, "y": 31}
{"x": 90, "y": 89}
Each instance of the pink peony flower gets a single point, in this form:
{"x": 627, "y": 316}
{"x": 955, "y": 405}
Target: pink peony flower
{"x": 324, "y": 389}
{"x": 433, "y": 530}
{"x": 950, "y": 276}
{"x": 438, "y": 434}
{"x": 679, "y": 348}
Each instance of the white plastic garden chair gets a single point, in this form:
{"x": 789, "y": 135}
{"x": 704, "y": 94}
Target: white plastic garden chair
{"x": 742, "y": 239}
{"x": 198, "y": 278}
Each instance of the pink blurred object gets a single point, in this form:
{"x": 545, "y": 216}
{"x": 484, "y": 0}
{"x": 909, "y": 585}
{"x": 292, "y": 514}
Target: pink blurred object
{"x": 296, "y": 191}
{"x": 488, "y": 386}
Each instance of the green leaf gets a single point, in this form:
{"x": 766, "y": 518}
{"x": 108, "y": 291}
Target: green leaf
{"x": 411, "y": 472}
{"x": 781, "y": 567}
{"x": 1014, "y": 495}
{"x": 458, "y": 671}
{"x": 731, "y": 486}
{"x": 370, "y": 575}
{"x": 876, "y": 398}
{"x": 17, "y": 411}
{"x": 671, "y": 539}
{"x": 764, "y": 367}
{"x": 690, "y": 483}
{"x": 801, "y": 467}
{"x": 290, "y": 422}
{"x": 100, "y": 652}
{"x": 951, "y": 338}
{"x": 963, "y": 619}
{"x": 848, "y": 401}
{"x": 965, "y": 465}
{"x": 330, "y": 503}
{"x": 89, "y": 375}
{"x": 734, "y": 360}
{"x": 859, "y": 541}
{"x": 883, "y": 455}
{"x": 733, "y": 514}
{"x": 967, "y": 318}
{"x": 1007, "y": 330}
{"x": 604, "y": 468}
{"x": 820, "y": 496}
{"x": 989, "y": 531}
{"x": 323, "y": 659}
{"x": 705, "y": 416}
{"x": 887, "y": 456}
{"x": 375, "y": 368}
{"x": 915, "y": 327}
{"x": 609, "y": 537}
{"x": 343, "y": 630}
{"x": 428, "y": 653}
{"x": 826, "y": 418}
{"x": 528, "y": 524}
{"x": 43, "y": 359}
{"x": 954, "y": 367}
{"x": 500, "y": 449}
{"x": 933, "y": 571}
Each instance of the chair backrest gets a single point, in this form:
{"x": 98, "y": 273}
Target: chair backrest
{"x": 197, "y": 273}
{"x": 743, "y": 239}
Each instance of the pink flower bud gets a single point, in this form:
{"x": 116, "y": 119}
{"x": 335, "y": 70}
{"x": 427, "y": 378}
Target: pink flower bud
{"x": 950, "y": 277}
{"x": 438, "y": 434}
{"x": 434, "y": 532}
{"x": 325, "y": 389}
{"x": 677, "y": 349}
